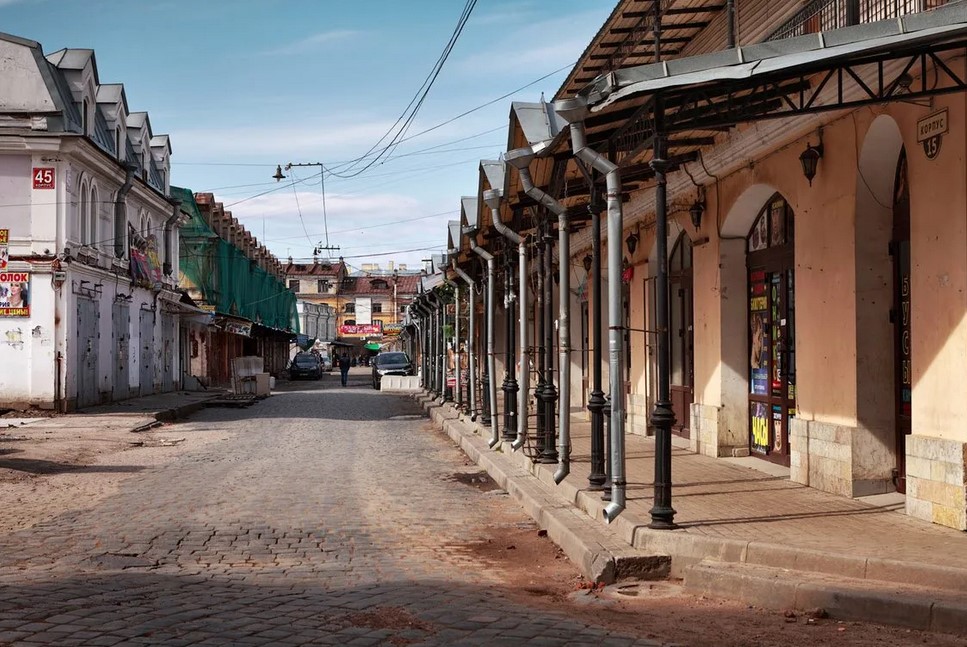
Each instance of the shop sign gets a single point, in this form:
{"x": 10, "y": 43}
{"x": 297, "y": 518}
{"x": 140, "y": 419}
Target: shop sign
{"x": 930, "y": 131}
{"x": 360, "y": 329}
{"x": 238, "y": 328}
{"x": 4, "y": 253}
{"x": 392, "y": 329}
{"x": 43, "y": 177}
{"x": 14, "y": 294}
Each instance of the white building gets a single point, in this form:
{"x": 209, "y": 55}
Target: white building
{"x": 84, "y": 195}
{"x": 317, "y": 321}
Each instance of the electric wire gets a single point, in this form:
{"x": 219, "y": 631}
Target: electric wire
{"x": 408, "y": 115}
{"x": 295, "y": 194}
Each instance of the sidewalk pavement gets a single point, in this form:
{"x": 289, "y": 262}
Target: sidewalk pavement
{"x": 134, "y": 414}
{"x": 744, "y": 533}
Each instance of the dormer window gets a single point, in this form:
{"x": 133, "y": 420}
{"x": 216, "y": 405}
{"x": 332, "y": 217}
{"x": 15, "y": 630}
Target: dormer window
{"x": 85, "y": 117}
{"x": 379, "y": 284}
{"x": 117, "y": 143}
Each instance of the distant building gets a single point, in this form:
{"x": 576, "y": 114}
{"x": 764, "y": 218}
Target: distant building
{"x": 230, "y": 275}
{"x": 368, "y": 306}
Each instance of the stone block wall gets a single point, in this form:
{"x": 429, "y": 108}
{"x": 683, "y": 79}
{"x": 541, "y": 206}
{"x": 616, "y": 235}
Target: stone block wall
{"x": 937, "y": 480}
{"x": 711, "y": 435}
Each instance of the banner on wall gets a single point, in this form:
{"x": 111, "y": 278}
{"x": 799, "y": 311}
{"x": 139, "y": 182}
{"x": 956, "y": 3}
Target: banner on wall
{"x": 360, "y": 329}
{"x": 14, "y": 294}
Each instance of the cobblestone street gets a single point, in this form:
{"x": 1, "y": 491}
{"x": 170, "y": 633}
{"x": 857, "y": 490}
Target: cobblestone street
{"x": 324, "y": 516}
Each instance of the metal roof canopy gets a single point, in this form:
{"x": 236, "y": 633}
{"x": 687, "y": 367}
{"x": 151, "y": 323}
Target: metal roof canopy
{"x": 772, "y": 79}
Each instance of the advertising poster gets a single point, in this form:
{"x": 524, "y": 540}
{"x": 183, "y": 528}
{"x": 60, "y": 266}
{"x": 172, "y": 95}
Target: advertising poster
{"x": 760, "y": 417}
{"x": 759, "y": 346}
{"x": 14, "y": 294}
{"x": 4, "y": 254}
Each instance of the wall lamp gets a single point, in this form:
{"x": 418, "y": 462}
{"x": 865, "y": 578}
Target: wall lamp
{"x": 587, "y": 262}
{"x": 632, "y": 242}
{"x": 809, "y": 159}
{"x": 697, "y": 209}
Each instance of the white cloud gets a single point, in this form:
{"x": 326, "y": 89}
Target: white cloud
{"x": 351, "y": 221}
{"x": 314, "y": 42}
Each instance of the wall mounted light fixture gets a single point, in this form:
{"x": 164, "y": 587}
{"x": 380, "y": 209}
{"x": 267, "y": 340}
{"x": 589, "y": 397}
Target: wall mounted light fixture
{"x": 695, "y": 213}
{"x": 809, "y": 159}
{"x": 632, "y": 242}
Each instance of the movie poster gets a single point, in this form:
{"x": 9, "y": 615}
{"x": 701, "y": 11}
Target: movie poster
{"x": 14, "y": 294}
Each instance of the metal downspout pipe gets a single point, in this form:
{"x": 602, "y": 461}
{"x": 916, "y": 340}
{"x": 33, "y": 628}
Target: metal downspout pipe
{"x": 492, "y": 198}
{"x": 120, "y": 210}
{"x": 520, "y": 159}
{"x": 471, "y": 355}
{"x": 166, "y": 234}
{"x": 574, "y": 111}
{"x": 491, "y": 360}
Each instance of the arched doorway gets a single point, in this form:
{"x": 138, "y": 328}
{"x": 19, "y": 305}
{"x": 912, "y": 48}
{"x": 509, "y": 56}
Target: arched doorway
{"x": 900, "y": 251}
{"x": 770, "y": 261}
{"x": 681, "y": 326}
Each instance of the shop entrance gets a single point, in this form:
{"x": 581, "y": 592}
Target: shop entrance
{"x": 681, "y": 326}
{"x": 772, "y": 363}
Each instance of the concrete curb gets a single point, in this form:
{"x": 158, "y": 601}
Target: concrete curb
{"x": 183, "y": 410}
{"x": 767, "y": 574}
{"x": 599, "y": 556}
{"x": 841, "y": 597}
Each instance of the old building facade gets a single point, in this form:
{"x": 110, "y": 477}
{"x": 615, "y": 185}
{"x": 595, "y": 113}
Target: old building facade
{"x": 92, "y": 237}
{"x": 810, "y": 194}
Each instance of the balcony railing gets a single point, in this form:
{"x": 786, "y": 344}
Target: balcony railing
{"x": 822, "y": 15}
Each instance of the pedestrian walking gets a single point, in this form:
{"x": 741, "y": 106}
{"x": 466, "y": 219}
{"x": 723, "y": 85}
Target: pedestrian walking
{"x": 344, "y": 363}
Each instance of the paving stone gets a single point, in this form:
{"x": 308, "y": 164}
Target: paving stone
{"x": 313, "y": 512}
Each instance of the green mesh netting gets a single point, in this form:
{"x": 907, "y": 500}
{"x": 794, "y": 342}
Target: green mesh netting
{"x": 227, "y": 279}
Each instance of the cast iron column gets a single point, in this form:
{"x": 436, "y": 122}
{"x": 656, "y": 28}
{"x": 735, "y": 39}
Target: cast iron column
{"x": 596, "y": 402}
{"x": 549, "y": 396}
{"x": 510, "y": 386}
{"x": 444, "y": 364}
{"x": 485, "y": 373}
{"x": 662, "y": 417}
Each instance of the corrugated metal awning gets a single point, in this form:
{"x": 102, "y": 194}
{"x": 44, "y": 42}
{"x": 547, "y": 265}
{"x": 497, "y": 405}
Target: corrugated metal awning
{"x": 801, "y": 54}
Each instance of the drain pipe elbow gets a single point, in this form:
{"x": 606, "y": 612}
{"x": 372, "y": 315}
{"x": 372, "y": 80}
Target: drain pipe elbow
{"x": 492, "y": 198}
{"x": 563, "y": 323}
{"x": 574, "y": 111}
{"x": 491, "y": 361}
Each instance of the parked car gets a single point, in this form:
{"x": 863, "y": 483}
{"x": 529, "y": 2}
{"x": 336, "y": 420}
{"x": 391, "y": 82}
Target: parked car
{"x": 307, "y": 365}
{"x": 390, "y": 363}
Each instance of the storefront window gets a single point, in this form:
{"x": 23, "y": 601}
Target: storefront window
{"x": 772, "y": 356}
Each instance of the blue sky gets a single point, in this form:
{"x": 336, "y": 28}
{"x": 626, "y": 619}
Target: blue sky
{"x": 243, "y": 85}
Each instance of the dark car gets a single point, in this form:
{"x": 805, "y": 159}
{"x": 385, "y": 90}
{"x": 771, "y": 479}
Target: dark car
{"x": 390, "y": 363}
{"x": 307, "y": 365}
